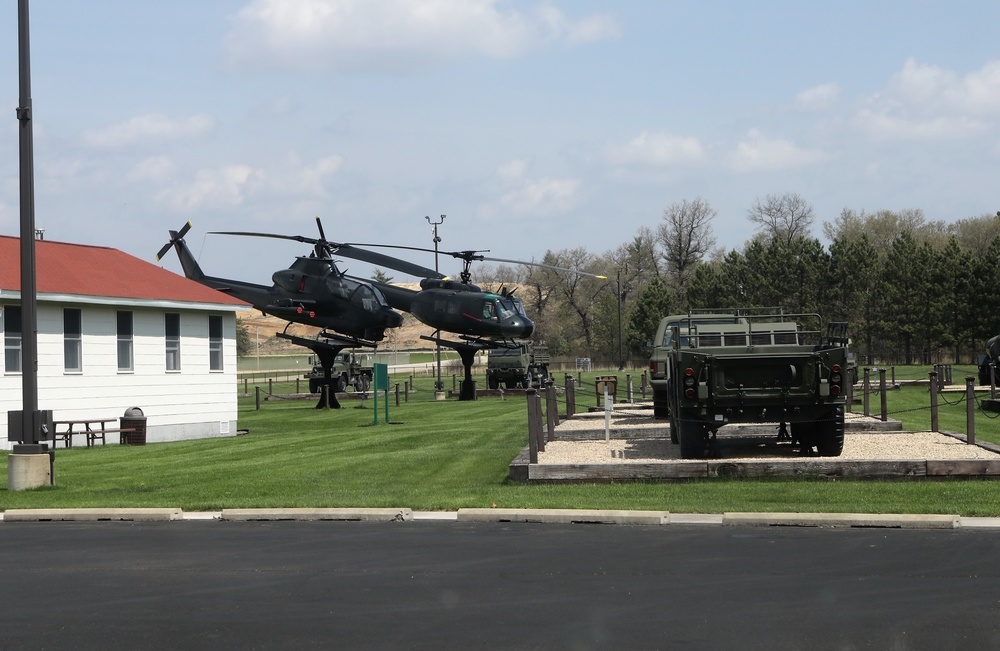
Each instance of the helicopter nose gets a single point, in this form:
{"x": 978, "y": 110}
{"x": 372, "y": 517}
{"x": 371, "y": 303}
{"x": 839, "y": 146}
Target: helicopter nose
{"x": 526, "y": 329}
{"x": 393, "y": 319}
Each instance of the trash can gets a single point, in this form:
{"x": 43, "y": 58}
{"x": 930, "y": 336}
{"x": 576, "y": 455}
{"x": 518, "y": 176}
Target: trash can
{"x": 609, "y": 381}
{"x": 135, "y": 419}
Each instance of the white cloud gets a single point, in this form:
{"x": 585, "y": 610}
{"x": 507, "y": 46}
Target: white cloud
{"x": 818, "y": 97}
{"x": 928, "y": 102}
{"x": 757, "y": 152}
{"x": 522, "y": 195}
{"x": 157, "y": 169}
{"x": 362, "y": 34}
{"x": 297, "y": 178}
{"x": 145, "y": 128}
{"x": 657, "y": 149}
{"x": 226, "y": 186}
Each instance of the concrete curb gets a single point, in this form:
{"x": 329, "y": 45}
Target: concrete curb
{"x": 875, "y": 520}
{"x": 92, "y": 515}
{"x": 564, "y": 516}
{"x": 353, "y": 514}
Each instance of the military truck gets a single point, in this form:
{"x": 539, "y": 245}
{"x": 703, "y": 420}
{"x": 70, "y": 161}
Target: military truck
{"x": 348, "y": 369}
{"x": 992, "y": 355}
{"x": 517, "y": 367}
{"x": 663, "y": 344}
{"x": 759, "y": 369}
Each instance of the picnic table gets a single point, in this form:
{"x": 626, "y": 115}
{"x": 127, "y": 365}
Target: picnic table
{"x": 93, "y": 428}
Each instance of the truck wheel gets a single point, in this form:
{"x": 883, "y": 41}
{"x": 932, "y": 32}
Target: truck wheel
{"x": 661, "y": 407}
{"x": 361, "y": 383}
{"x": 692, "y": 440}
{"x": 339, "y": 384}
{"x": 313, "y": 386}
{"x": 493, "y": 382}
{"x": 830, "y": 436}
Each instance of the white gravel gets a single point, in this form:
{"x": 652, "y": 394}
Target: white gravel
{"x": 655, "y": 445}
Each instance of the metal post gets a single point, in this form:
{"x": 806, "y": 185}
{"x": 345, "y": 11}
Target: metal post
{"x": 628, "y": 383}
{"x": 881, "y": 388}
{"x": 397, "y": 394}
{"x": 993, "y": 380}
{"x": 406, "y": 391}
{"x": 934, "y": 401}
{"x": 970, "y": 409}
{"x": 849, "y": 402}
{"x": 438, "y": 385}
{"x": 257, "y": 388}
{"x": 570, "y": 396}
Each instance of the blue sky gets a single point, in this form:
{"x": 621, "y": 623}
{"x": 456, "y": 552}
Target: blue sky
{"x": 531, "y": 125}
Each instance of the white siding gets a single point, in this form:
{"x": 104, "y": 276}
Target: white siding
{"x": 192, "y": 403}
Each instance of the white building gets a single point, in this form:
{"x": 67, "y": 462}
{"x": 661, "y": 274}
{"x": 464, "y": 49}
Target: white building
{"x": 116, "y": 332}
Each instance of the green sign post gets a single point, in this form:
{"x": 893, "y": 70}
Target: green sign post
{"x": 381, "y": 383}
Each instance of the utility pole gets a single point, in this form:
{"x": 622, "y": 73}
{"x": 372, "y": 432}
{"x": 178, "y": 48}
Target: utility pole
{"x": 29, "y": 465}
{"x": 438, "y": 385}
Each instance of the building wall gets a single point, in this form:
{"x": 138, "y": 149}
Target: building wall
{"x": 194, "y": 402}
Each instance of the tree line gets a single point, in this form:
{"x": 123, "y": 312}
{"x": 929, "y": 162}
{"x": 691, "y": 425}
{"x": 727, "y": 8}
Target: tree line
{"x": 912, "y": 290}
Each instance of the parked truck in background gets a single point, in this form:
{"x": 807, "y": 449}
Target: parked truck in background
{"x": 758, "y": 369}
{"x": 518, "y": 366}
{"x": 348, "y": 369}
{"x": 992, "y": 356}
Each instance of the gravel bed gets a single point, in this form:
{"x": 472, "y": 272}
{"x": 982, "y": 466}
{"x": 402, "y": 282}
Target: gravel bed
{"x": 867, "y": 446}
{"x": 637, "y": 438}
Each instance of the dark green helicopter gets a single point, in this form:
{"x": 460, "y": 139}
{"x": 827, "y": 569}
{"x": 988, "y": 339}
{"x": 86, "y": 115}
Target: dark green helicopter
{"x": 312, "y": 291}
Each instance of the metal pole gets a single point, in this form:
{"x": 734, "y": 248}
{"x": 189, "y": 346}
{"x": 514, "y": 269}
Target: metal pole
{"x": 29, "y": 306}
{"x": 934, "y": 401}
{"x": 618, "y": 295}
{"x": 881, "y": 386}
{"x": 970, "y": 409}
{"x": 438, "y": 385}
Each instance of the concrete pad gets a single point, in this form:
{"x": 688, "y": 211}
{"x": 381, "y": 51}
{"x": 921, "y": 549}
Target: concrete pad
{"x": 92, "y": 515}
{"x": 588, "y": 516}
{"x": 354, "y": 514}
{"x": 981, "y": 523}
{"x": 695, "y": 518}
{"x": 876, "y": 520}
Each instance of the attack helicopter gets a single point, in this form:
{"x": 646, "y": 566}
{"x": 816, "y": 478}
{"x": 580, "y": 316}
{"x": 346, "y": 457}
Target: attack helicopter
{"x": 312, "y": 291}
{"x": 482, "y": 320}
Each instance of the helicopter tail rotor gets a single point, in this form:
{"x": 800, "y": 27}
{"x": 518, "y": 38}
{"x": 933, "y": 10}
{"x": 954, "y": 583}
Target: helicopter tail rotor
{"x": 175, "y": 237}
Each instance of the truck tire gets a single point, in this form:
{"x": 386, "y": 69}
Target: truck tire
{"x": 661, "y": 408}
{"x": 493, "y": 382}
{"x": 692, "y": 439}
{"x": 314, "y": 386}
{"x": 362, "y": 382}
{"x": 830, "y": 436}
{"x": 339, "y": 384}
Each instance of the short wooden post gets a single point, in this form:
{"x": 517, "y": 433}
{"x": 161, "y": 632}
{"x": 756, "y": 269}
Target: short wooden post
{"x": 993, "y": 380}
{"x": 532, "y": 427}
{"x": 628, "y": 383}
{"x": 643, "y": 386}
{"x": 551, "y": 409}
{"x": 570, "y": 396}
{"x": 270, "y": 386}
{"x": 539, "y": 421}
{"x": 865, "y": 388}
{"x": 406, "y": 391}
{"x": 397, "y": 394}
{"x": 881, "y": 388}
{"x": 970, "y": 409}
{"x": 258, "y": 396}
{"x": 849, "y": 397}
{"x": 934, "y": 401}
{"x": 246, "y": 388}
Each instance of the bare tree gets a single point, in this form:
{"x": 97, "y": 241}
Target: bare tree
{"x": 686, "y": 237}
{"x": 783, "y": 217}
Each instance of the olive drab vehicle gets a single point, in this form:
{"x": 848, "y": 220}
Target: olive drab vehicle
{"x": 348, "y": 369}
{"x": 671, "y": 326}
{"x": 992, "y": 356}
{"x": 757, "y": 369}
{"x": 517, "y": 367}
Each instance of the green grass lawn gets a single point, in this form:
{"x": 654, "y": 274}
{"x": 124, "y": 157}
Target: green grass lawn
{"x": 444, "y": 455}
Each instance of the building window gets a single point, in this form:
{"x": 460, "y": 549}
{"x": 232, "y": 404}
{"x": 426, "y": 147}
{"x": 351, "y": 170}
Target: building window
{"x": 124, "y": 341}
{"x": 72, "y": 339}
{"x": 12, "y": 338}
{"x": 172, "y": 338}
{"x": 215, "y": 343}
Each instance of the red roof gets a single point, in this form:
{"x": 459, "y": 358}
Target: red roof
{"x": 62, "y": 268}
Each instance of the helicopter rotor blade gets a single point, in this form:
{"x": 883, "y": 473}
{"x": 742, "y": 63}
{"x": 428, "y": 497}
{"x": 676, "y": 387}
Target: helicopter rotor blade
{"x": 350, "y": 251}
{"x": 546, "y": 266}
